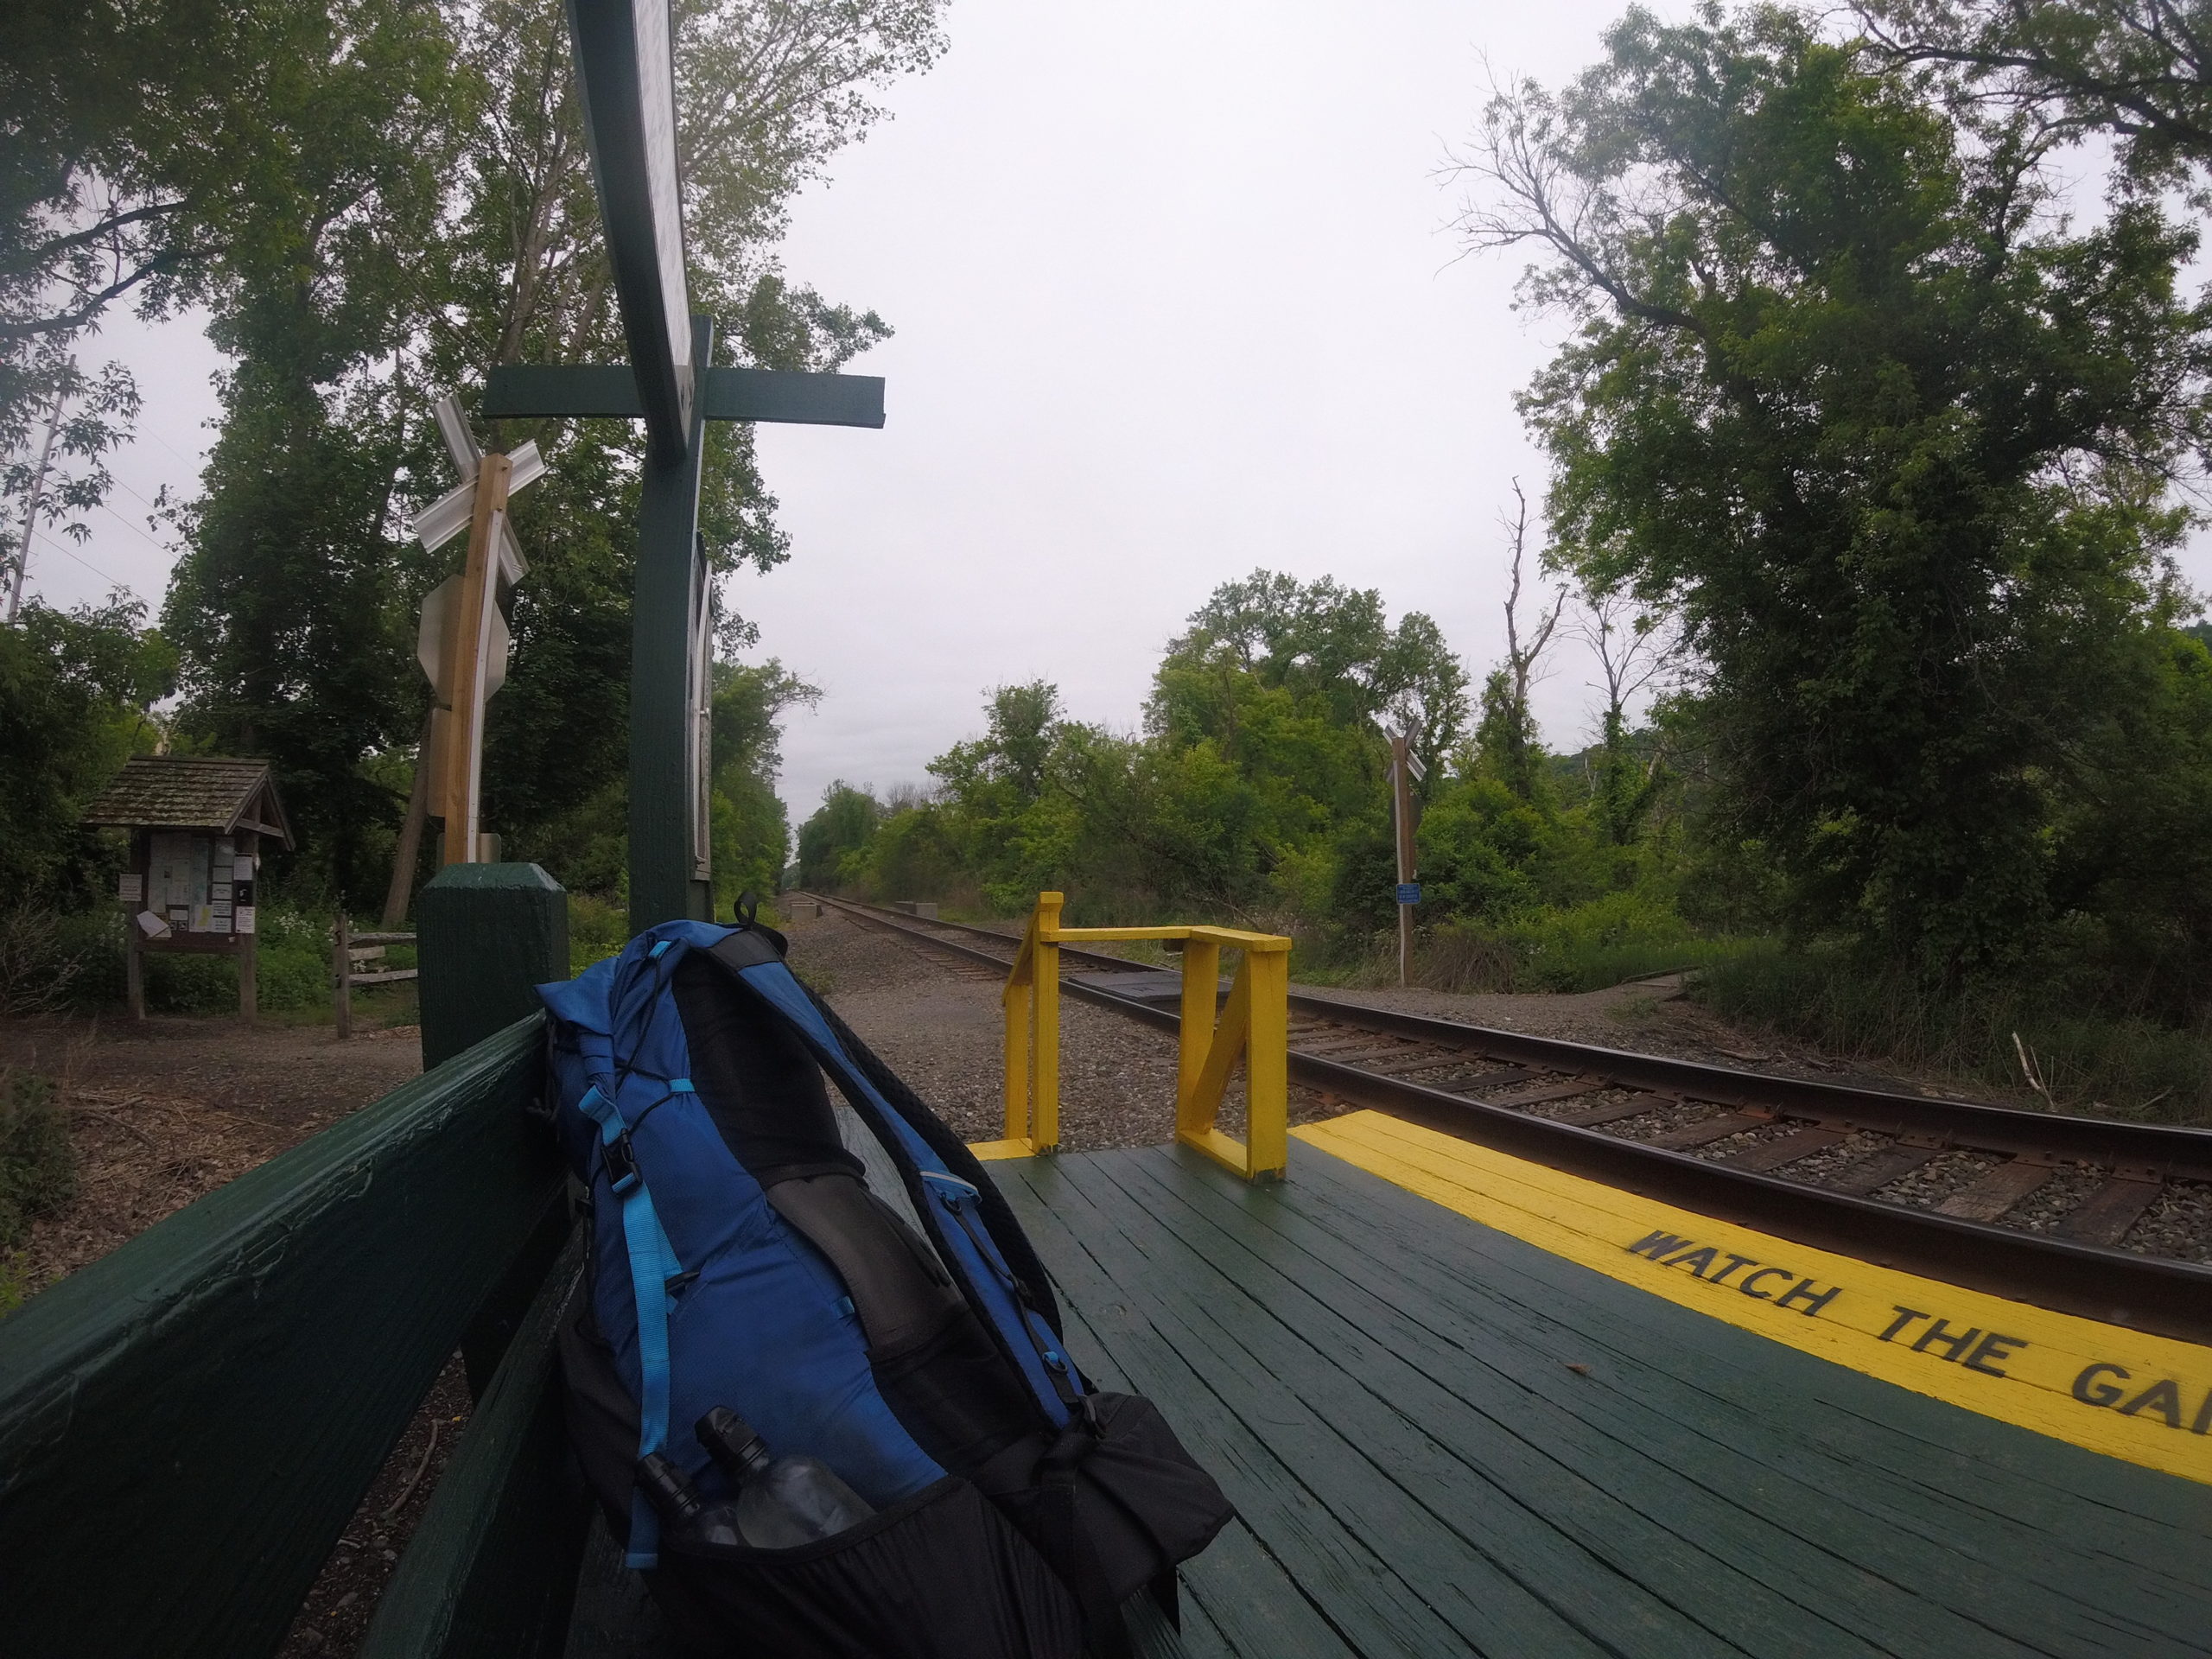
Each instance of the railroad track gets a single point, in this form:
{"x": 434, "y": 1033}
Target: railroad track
{"x": 2092, "y": 1216}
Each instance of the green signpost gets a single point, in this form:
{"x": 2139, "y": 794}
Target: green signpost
{"x": 626, "y": 65}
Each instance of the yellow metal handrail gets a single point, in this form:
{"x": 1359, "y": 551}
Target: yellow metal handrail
{"x": 1255, "y": 1024}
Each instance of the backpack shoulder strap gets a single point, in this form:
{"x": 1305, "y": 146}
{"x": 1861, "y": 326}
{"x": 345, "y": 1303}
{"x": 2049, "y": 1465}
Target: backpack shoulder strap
{"x": 951, "y": 1205}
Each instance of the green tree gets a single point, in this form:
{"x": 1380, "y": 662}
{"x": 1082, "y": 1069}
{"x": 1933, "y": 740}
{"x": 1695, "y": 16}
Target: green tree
{"x": 833, "y": 844}
{"x": 75, "y": 690}
{"x": 2133, "y": 68}
{"x": 1889, "y": 441}
{"x": 436, "y": 218}
{"x": 751, "y": 831}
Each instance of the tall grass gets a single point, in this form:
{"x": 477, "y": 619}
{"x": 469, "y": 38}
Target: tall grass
{"x": 1586, "y": 947}
{"x": 2084, "y": 1060}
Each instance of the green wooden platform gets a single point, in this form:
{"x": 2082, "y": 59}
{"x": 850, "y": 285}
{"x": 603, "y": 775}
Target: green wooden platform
{"x": 1390, "y": 1393}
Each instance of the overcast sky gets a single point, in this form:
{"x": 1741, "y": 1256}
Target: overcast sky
{"x": 1177, "y": 296}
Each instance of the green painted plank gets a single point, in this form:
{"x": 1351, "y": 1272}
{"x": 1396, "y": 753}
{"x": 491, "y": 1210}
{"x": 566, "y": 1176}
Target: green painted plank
{"x": 187, "y": 1425}
{"x": 610, "y": 391}
{"x": 787, "y": 396}
{"x": 1568, "y": 1538}
{"x": 1233, "y": 1588}
{"x": 1907, "y": 1462}
{"x": 2010, "y": 1586}
{"x": 1742, "y": 1449}
{"x": 491, "y": 1572}
{"x": 670, "y": 583}
{"x": 1363, "y": 1552}
{"x": 1261, "y": 1605}
{"x": 562, "y": 392}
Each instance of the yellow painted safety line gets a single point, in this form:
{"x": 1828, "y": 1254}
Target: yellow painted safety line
{"x": 2148, "y": 1399}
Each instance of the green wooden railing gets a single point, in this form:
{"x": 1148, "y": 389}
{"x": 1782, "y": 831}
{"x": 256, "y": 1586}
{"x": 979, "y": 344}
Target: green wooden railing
{"x": 188, "y": 1425}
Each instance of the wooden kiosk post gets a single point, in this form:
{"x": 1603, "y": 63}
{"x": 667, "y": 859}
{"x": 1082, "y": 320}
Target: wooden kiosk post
{"x": 197, "y": 824}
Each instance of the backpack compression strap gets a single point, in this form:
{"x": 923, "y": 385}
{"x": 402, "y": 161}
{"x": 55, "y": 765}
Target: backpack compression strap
{"x": 652, "y": 1264}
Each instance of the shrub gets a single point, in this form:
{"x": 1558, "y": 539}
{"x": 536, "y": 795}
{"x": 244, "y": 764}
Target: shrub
{"x": 2086, "y": 1059}
{"x": 38, "y": 1168}
{"x": 37, "y": 962}
{"x": 597, "y": 928}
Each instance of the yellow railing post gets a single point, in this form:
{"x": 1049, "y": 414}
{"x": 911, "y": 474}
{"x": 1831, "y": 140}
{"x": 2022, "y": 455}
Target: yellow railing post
{"x": 1045, "y": 1024}
{"x": 1201, "y": 990}
{"x": 1252, "y": 1027}
{"x": 1266, "y": 1066}
{"x": 1016, "y": 1000}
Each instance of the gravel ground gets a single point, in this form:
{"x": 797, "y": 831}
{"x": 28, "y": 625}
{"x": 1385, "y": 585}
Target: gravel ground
{"x": 1651, "y": 1016}
{"x": 2179, "y": 1225}
{"x": 1936, "y": 1179}
{"x": 2055, "y": 1201}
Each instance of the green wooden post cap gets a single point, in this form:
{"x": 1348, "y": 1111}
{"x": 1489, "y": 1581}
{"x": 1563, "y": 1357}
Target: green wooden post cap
{"x": 487, "y": 936}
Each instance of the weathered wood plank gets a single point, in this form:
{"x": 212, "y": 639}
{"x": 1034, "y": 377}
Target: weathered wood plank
{"x": 1783, "y": 1499}
{"x": 1784, "y": 1149}
{"x": 492, "y": 1569}
{"x": 1237, "y": 1599}
{"x": 1318, "y": 1567}
{"x": 2106, "y": 1214}
{"x": 1377, "y": 1564}
{"x": 1998, "y": 1191}
{"x": 187, "y": 1425}
{"x": 2026, "y": 1532}
{"x": 1488, "y": 1476}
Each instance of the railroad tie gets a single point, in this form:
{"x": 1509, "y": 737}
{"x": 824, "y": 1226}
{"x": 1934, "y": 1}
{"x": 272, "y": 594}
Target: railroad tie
{"x": 1590, "y": 1117}
{"x": 1566, "y": 1090}
{"x": 1878, "y": 1169}
{"x": 1998, "y": 1191}
{"x": 1783, "y": 1149}
{"x": 1719, "y": 1126}
{"x": 2106, "y": 1214}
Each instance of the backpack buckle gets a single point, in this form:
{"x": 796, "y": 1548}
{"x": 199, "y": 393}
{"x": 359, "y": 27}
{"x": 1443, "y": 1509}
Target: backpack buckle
{"x": 621, "y": 1163}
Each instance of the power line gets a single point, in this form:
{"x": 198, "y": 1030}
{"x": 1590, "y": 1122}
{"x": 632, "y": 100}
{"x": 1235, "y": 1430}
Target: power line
{"x": 143, "y": 535}
{"x": 70, "y": 553}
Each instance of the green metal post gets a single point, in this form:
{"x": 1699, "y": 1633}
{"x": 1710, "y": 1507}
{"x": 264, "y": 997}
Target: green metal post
{"x": 663, "y": 785}
{"x": 487, "y": 936}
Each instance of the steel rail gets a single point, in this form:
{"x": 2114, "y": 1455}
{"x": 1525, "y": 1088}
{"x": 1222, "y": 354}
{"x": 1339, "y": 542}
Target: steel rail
{"x": 2145, "y": 1293}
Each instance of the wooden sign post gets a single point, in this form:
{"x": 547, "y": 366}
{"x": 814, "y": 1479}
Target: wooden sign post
{"x": 462, "y": 645}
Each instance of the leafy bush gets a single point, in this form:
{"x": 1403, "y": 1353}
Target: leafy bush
{"x": 2086, "y": 1060}
{"x": 597, "y": 928}
{"x": 38, "y": 1168}
{"x": 291, "y": 969}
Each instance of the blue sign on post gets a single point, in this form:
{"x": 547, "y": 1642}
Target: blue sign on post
{"x": 1409, "y": 893}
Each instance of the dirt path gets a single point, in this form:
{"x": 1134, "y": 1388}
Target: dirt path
{"x": 164, "y": 1112}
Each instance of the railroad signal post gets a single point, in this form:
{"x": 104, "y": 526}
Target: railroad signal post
{"x": 1406, "y": 770}
{"x": 462, "y": 644}
{"x": 627, "y": 75}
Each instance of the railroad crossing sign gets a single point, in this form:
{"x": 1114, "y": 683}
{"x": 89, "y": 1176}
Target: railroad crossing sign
{"x": 626, "y": 65}
{"x": 462, "y": 644}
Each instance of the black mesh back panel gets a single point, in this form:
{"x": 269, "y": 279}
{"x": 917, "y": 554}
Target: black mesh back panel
{"x": 763, "y": 1088}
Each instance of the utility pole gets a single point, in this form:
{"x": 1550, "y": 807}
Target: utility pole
{"x": 1405, "y": 769}
{"x": 30, "y": 508}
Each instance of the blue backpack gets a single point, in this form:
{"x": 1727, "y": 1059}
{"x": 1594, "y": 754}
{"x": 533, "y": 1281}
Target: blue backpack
{"x": 857, "y": 1289}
